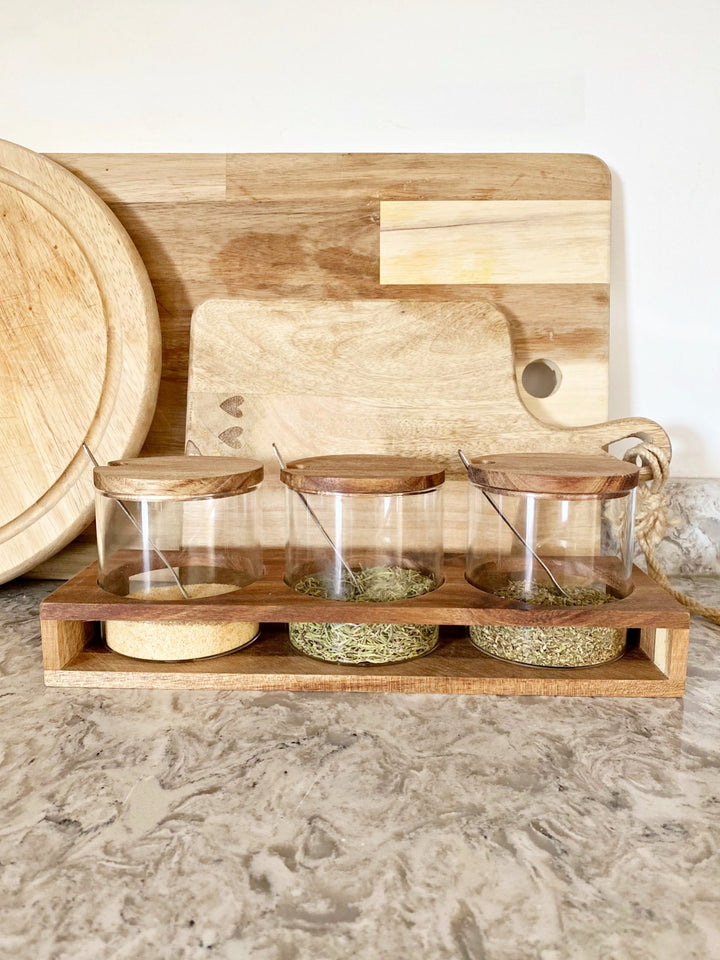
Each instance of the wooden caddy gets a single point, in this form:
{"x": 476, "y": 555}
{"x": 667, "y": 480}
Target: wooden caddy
{"x": 653, "y": 666}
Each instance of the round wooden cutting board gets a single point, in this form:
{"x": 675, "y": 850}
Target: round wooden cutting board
{"x": 79, "y": 353}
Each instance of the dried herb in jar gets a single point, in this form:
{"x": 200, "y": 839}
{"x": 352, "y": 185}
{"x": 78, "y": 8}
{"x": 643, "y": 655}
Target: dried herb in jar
{"x": 565, "y": 646}
{"x": 360, "y": 643}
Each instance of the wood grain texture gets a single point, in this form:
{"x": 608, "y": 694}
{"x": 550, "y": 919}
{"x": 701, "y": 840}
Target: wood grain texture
{"x": 198, "y": 251}
{"x": 66, "y": 563}
{"x": 558, "y": 474}
{"x": 398, "y": 377}
{"x": 374, "y": 474}
{"x": 46, "y": 303}
{"x": 79, "y": 353}
{"x": 674, "y": 653}
{"x": 494, "y": 241}
{"x": 306, "y": 225}
{"x": 143, "y": 177}
{"x": 176, "y": 478}
{"x": 418, "y": 176}
{"x": 62, "y": 640}
{"x": 456, "y": 602}
{"x": 272, "y": 664}
{"x": 454, "y": 668}
{"x": 269, "y": 226}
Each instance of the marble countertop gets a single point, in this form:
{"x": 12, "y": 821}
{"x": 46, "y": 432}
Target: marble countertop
{"x": 159, "y": 824}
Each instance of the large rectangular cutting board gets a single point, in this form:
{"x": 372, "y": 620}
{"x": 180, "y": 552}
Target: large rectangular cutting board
{"x": 334, "y": 227}
{"x": 401, "y": 377}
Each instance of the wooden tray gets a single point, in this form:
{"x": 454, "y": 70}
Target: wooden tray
{"x": 654, "y": 665}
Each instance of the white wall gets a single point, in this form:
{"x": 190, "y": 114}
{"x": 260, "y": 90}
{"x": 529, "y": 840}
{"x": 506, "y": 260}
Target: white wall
{"x": 634, "y": 81}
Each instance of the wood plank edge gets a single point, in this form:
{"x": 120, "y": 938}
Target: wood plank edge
{"x": 626, "y": 687}
{"x": 288, "y": 612}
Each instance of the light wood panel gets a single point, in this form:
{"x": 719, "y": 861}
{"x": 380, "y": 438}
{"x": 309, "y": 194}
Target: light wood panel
{"x": 79, "y": 353}
{"x": 494, "y": 241}
{"x": 417, "y": 176}
{"x": 63, "y": 640}
{"x": 143, "y": 177}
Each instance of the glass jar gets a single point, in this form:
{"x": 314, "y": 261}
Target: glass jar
{"x": 363, "y": 529}
{"x": 551, "y": 530}
{"x": 177, "y": 529}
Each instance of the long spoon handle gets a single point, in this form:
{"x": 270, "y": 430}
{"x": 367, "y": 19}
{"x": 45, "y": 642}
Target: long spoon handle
{"x": 523, "y": 541}
{"x": 140, "y": 530}
{"x": 319, "y": 525}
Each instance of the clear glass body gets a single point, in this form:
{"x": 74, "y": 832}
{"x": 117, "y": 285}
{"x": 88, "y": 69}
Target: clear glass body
{"x": 392, "y": 530}
{"x": 391, "y": 544}
{"x": 586, "y": 543}
{"x": 212, "y": 544}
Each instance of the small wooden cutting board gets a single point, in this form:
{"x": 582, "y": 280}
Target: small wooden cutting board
{"x": 399, "y": 377}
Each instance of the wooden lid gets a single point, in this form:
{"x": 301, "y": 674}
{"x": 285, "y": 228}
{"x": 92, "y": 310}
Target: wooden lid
{"x": 177, "y": 478}
{"x": 557, "y": 474}
{"x": 362, "y": 473}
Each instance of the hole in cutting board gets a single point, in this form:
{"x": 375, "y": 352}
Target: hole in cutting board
{"x": 541, "y": 378}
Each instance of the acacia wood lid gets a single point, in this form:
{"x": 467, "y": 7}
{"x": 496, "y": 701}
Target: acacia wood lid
{"x": 362, "y": 473}
{"x": 560, "y": 474}
{"x": 177, "y": 478}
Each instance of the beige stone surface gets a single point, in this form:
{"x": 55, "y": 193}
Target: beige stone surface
{"x": 147, "y": 823}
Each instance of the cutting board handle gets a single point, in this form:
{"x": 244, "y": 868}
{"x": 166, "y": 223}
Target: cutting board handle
{"x": 648, "y": 431}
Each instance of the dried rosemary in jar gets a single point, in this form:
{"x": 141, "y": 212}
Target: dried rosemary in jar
{"x": 366, "y": 643}
{"x": 363, "y": 528}
{"x": 542, "y": 646}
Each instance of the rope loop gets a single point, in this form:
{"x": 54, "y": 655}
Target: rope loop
{"x": 653, "y": 517}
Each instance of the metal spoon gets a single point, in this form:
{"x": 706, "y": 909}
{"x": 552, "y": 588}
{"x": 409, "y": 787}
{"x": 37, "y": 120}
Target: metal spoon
{"x": 319, "y": 525}
{"x": 523, "y": 541}
{"x": 140, "y": 530}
